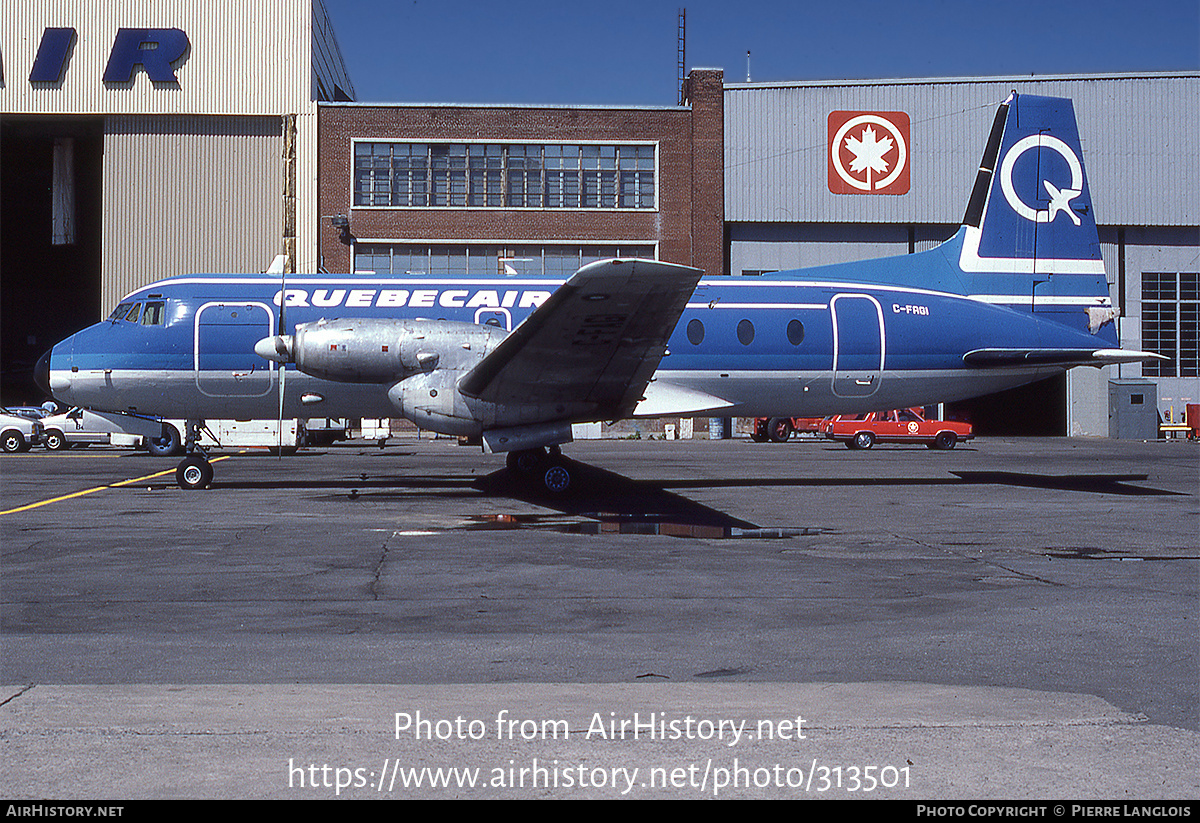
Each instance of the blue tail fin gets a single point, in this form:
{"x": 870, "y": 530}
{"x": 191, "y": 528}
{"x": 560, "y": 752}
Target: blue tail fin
{"x": 1029, "y": 236}
{"x": 1031, "y": 209}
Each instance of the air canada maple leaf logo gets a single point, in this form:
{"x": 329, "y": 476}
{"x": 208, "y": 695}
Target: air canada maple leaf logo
{"x": 868, "y": 152}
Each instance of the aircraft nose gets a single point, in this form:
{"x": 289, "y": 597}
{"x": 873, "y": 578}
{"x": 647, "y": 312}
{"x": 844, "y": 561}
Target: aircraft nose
{"x": 41, "y": 373}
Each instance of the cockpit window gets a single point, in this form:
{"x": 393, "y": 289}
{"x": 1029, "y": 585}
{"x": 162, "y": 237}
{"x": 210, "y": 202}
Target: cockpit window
{"x": 120, "y": 311}
{"x": 134, "y": 313}
{"x": 154, "y": 314}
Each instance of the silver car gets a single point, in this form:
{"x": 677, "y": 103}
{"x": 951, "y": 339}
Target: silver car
{"x": 18, "y": 434}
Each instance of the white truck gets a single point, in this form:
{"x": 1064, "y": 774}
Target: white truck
{"x": 81, "y": 427}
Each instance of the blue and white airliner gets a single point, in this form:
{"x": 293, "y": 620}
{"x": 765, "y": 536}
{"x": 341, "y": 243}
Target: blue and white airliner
{"x": 1017, "y": 294}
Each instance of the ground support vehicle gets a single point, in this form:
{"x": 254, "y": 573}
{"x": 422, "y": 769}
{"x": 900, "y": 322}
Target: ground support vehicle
{"x": 862, "y": 431}
{"x": 779, "y": 429}
{"x": 288, "y": 434}
{"x": 82, "y": 427}
{"x": 324, "y": 431}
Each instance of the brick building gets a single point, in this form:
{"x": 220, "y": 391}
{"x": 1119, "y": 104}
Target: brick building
{"x": 522, "y": 190}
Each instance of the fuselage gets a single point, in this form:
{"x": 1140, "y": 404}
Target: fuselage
{"x": 840, "y": 339}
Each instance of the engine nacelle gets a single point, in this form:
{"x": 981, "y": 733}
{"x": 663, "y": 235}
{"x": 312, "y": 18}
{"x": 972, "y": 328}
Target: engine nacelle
{"x": 424, "y": 360}
{"x": 371, "y": 350}
{"x": 434, "y": 403}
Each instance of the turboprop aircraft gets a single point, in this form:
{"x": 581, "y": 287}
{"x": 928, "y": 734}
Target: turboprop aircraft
{"x": 1017, "y": 294}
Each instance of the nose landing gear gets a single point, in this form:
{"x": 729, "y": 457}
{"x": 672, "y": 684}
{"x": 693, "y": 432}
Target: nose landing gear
{"x": 194, "y": 471}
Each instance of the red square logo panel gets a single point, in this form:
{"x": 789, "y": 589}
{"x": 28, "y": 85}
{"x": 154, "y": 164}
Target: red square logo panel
{"x": 868, "y": 152}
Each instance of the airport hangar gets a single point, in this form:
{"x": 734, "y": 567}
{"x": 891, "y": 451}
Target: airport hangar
{"x": 118, "y": 168}
{"x": 257, "y": 148}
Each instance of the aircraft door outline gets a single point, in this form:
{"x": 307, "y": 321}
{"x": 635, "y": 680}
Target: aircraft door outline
{"x": 859, "y": 344}
{"x": 223, "y": 349}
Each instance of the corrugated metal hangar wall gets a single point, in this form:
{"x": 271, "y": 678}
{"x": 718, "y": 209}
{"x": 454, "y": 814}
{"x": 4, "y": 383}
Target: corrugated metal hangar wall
{"x": 143, "y": 140}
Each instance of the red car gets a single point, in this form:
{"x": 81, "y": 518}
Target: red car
{"x": 862, "y": 431}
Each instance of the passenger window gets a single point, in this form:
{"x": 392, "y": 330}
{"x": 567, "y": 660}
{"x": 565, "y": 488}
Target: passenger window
{"x": 745, "y": 332}
{"x": 153, "y": 315}
{"x": 695, "y": 331}
{"x": 795, "y": 332}
{"x": 134, "y": 313}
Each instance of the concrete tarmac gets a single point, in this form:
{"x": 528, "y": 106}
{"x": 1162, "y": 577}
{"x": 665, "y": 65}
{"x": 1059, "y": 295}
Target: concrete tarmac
{"x": 1014, "y": 619}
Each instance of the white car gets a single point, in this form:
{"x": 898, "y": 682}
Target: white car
{"x": 18, "y": 433}
{"x": 78, "y": 427}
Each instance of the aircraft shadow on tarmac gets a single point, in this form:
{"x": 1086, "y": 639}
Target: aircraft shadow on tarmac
{"x": 626, "y": 505}
{"x": 610, "y": 499}
{"x": 1093, "y": 483}
{"x": 615, "y": 503}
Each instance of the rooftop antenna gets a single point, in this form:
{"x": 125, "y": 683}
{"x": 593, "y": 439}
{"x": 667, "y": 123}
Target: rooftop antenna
{"x": 681, "y": 53}
{"x": 747, "y": 65}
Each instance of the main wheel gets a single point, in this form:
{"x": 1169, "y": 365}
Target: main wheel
{"x": 779, "y": 429}
{"x": 525, "y": 461}
{"x": 56, "y": 441}
{"x": 557, "y": 478}
{"x": 193, "y": 472}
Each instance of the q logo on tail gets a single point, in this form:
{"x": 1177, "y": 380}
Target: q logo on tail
{"x": 1060, "y": 199}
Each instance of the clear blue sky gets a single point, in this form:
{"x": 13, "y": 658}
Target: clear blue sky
{"x": 624, "y": 51}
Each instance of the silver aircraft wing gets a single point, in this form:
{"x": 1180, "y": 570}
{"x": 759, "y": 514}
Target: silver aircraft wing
{"x": 595, "y": 343}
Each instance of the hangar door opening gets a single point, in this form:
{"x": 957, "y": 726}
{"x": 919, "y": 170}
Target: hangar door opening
{"x": 50, "y": 218}
{"x": 1033, "y": 410}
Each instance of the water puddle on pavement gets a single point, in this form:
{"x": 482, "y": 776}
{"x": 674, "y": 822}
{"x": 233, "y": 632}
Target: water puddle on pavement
{"x": 609, "y": 523}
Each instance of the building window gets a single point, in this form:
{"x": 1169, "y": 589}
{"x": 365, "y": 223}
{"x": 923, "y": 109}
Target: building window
{"x": 486, "y": 260}
{"x": 524, "y": 176}
{"x": 1171, "y": 323}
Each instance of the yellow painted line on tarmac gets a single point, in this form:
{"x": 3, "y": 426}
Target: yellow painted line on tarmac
{"x": 118, "y": 484}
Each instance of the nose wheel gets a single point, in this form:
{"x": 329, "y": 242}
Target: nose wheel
{"x": 194, "y": 472}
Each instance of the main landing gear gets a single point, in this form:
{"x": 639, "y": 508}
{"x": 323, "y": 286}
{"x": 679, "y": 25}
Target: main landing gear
{"x": 543, "y": 466}
{"x": 194, "y": 471}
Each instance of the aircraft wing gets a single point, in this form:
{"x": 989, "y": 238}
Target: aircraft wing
{"x": 595, "y": 343}
{"x": 998, "y": 358}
